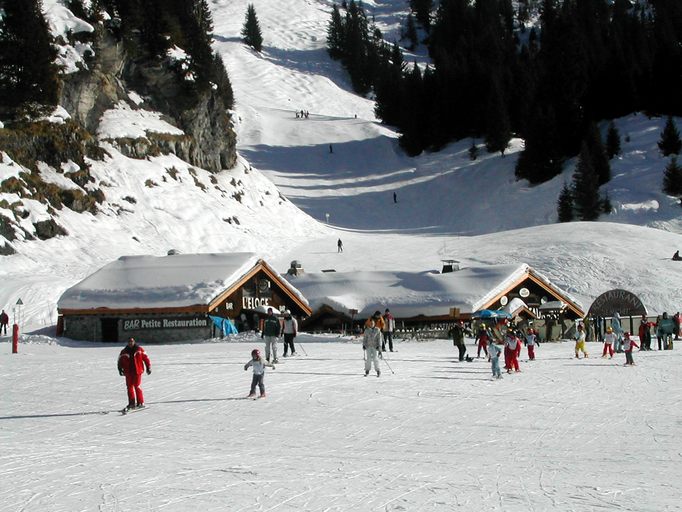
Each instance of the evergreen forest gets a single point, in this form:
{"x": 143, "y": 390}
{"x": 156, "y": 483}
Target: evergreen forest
{"x": 495, "y": 75}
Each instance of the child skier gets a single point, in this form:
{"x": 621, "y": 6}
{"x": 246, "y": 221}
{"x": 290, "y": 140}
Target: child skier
{"x": 371, "y": 344}
{"x": 511, "y": 351}
{"x": 482, "y": 341}
{"x": 530, "y": 343}
{"x": 580, "y": 342}
{"x": 494, "y": 355}
{"x": 628, "y": 343}
{"x": 609, "y": 340}
{"x": 258, "y": 373}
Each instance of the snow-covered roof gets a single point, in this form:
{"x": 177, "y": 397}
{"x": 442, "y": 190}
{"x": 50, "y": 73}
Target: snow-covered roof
{"x": 406, "y": 294}
{"x": 179, "y": 280}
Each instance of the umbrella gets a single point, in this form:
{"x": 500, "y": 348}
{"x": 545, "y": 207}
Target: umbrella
{"x": 489, "y": 313}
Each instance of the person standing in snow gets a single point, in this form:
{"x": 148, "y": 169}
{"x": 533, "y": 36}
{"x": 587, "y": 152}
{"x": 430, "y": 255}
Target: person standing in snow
{"x": 618, "y": 331}
{"x": 511, "y": 351}
{"x": 644, "y": 333}
{"x": 457, "y": 333}
{"x": 628, "y": 343}
{"x": 377, "y": 319}
{"x": 289, "y": 331}
{"x": 531, "y": 338}
{"x": 271, "y": 330}
{"x": 482, "y": 338}
{"x": 495, "y": 360}
{"x": 371, "y": 344}
{"x": 609, "y": 341}
{"x": 258, "y": 366}
{"x": 132, "y": 362}
{"x": 389, "y": 327}
{"x": 339, "y": 246}
{"x": 4, "y": 321}
{"x": 676, "y": 320}
{"x": 664, "y": 331}
{"x": 580, "y": 342}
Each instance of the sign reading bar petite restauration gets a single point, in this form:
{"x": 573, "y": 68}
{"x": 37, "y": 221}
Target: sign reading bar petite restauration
{"x": 136, "y": 324}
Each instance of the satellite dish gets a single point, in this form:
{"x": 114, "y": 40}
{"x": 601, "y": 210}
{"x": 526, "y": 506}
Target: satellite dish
{"x": 543, "y": 300}
{"x": 504, "y": 300}
{"x": 523, "y": 292}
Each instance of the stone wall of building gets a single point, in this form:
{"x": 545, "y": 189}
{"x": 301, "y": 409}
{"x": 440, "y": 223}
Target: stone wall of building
{"x": 144, "y": 328}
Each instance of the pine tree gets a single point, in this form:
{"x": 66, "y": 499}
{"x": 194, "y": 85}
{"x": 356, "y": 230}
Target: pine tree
{"x": 586, "y": 187}
{"x": 28, "y": 74}
{"x": 565, "y": 204}
{"x": 335, "y": 34}
{"x": 606, "y": 206}
{"x": 672, "y": 178}
{"x": 612, "y": 141}
{"x": 251, "y": 30}
{"x": 598, "y": 156}
{"x": 498, "y": 130}
{"x": 670, "y": 142}
{"x": 411, "y": 32}
{"x": 422, "y": 11}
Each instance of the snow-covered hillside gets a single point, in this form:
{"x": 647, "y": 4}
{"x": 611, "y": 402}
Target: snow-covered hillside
{"x": 340, "y": 164}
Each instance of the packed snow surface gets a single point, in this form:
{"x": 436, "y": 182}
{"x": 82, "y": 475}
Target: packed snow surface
{"x": 439, "y": 435}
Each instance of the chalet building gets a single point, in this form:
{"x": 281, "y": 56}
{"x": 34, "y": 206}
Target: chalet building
{"x": 174, "y": 297}
{"x": 342, "y": 299}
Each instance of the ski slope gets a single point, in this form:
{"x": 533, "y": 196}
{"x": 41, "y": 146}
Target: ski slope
{"x": 437, "y": 434}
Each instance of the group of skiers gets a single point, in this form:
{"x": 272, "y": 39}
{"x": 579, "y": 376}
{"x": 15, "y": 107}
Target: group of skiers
{"x": 378, "y": 333}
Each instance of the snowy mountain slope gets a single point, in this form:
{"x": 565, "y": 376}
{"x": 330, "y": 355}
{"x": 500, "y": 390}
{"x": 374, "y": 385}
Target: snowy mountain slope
{"x": 366, "y": 167}
{"x": 445, "y": 200}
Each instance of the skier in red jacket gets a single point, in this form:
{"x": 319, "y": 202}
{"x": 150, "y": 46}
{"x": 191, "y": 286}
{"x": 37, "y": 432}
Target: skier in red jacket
{"x": 132, "y": 362}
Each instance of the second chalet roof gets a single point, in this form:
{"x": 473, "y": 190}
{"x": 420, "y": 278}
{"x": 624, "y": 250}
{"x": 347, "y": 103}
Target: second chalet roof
{"x": 410, "y": 294}
{"x": 149, "y": 282}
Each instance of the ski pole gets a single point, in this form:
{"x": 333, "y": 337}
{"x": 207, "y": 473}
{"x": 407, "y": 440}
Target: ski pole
{"x": 301, "y": 347}
{"x": 389, "y": 366}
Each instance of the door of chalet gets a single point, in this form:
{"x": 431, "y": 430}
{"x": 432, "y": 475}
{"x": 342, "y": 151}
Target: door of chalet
{"x": 110, "y": 330}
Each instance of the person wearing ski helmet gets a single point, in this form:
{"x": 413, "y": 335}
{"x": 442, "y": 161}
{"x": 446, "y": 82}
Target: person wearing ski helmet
{"x": 628, "y": 343}
{"x": 258, "y": 366}
{"x": 609, "y": 341}
{"x": 580, "y": 342}
{"x": 371, "y": 344}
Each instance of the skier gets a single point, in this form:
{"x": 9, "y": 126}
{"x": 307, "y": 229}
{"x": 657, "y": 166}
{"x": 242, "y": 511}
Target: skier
{"x": 289, "y": 330}
{"x": 395, "y": 198}
{"x": 371, "y": 344}
{"x": 609, "y": 340}
{"x": 580, "y": 342}
{"x": 389, "y": 327}
{"x": 377, "y": 319}
{"x": 645, "y": 333}
{"x": 618, "y": 330}
{"x": 627, "y": 348}
{"x": 457, "y": 333}
{"x": 339, "y": 246}
{"x": 495, "y": 360}
{"x": 482, "y": 338}
{"x": 676, "y": 320}
{"x": 530, "y": 343}
{"x": 4, "y": 321}
{"x": 258, "y": 373}
{"x": 511, "y": 351}
{"x": 271, "y": 331}
{"x": 664, "y": 331}
{"x": 131, "y": 362}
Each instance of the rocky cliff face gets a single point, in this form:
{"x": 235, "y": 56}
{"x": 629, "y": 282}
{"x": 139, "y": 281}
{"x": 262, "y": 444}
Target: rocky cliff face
{"x": 111, "y": 76}
{"x": 209, "y": 141}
